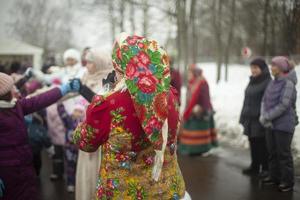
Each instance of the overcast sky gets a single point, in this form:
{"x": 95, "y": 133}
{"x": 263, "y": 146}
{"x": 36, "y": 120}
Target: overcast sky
{"x": 92, "y": 29}
{"x": 86, "y": 33}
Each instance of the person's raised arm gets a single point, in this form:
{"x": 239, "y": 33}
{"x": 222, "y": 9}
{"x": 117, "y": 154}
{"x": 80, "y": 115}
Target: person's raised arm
{"x": 36, "y": 103}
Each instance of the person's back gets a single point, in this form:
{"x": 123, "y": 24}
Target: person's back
{"x": 128, "y": 155}
{"x": 136, "y": 124}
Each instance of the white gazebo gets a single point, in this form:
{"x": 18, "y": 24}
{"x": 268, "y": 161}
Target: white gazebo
{"x": 10, "y": 48}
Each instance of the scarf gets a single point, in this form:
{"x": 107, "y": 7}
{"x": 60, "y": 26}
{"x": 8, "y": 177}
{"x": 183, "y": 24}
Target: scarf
{"x": 259, "y": 79}
{"x": 94, "y": 81}
{"x": 8, "y": 104}
{"x": 146, "y": 73}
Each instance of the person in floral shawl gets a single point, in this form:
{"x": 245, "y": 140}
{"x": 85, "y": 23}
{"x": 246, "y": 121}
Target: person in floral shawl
{"x": 136, "y": 123}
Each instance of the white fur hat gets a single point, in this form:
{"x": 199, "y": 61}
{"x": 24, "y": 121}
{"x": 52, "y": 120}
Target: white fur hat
{"x": 72, "y": 53}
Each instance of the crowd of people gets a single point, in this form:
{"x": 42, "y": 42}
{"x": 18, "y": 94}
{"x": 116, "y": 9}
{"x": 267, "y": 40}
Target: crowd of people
{"x": 110, "y": 123}
{"x": 132, "y": 113}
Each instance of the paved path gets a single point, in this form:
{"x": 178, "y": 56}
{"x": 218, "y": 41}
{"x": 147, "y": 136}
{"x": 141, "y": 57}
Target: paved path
{"x": 217, "y": 177}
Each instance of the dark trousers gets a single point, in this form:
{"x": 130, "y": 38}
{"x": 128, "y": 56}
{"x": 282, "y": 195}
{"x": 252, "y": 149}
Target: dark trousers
{"x": 280, "y": 156}
{"x": 58, "y": 161}
{"x": 37, "y": 162}
{"x": 71, "y": 155}
{"x": 259, "y": 153}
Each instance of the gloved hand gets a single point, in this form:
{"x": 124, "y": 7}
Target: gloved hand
{"x": 75, "y": 85}
{"x": 198, "y": 111}
{"x": 28, "y": 119}
{"x": 268, "y": 125}
{"x": 110, "y": 79}
{"x": 2, "y": 188}
{"x": 51, "y": 151}
{"x": 28, "y": 73}
{"x": 72, "y": 86}
{"x": 264, "y": 122}
{"x": 38, "y": 74}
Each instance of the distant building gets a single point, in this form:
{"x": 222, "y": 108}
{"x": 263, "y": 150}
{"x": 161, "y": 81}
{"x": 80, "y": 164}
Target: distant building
{"x": 26, "y": 54}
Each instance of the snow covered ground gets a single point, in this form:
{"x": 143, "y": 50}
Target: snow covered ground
{"x": 227, "y": 98}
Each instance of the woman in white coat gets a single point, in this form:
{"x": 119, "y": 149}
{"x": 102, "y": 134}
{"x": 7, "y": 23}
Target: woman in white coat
{"x": 98, "y": 66}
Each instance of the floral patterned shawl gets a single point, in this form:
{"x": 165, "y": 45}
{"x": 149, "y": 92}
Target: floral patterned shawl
{"x": 145, "y": 68}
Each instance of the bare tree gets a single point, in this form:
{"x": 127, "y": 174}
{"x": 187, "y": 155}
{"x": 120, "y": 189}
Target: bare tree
{"x": 122, "y": 14}
{"x": 291, "y": 22}
{"x": 42, "y": 24}
{"x": 181, "y": 30}
{"x": 132, "y": 18}
{"x": 230, "y": 36}
{"x": 194, "y": 32}
{"x": 186, "y": 32}
{"x": 112, "y": 18}
{"x": 217, "y": 7}
{"x": 145, "y": 17}
{"x": 265, "y": 25}
{"x": 208, "y": 28}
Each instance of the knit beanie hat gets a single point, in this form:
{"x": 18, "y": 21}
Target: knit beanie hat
{"x": 261, "y": 63}
{"x": 6, "y": 84}
{"x": 282, "y": 62}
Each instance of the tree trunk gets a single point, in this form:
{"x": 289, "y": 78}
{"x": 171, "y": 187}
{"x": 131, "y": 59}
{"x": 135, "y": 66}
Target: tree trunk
{"x": 121, "y": 10}
{"x": 273, "y": 37}
{"x": 112, "y": 18}
{"x": 179, "y": 19}
{"x": 145, "y": 17}
{"x": 132, "y": 18}
{"x": 217, "y": 16}
{"x": 230, "y": 37}
{"x": 184, "y": 34}
{"x": 265, "y": 27}
{"x": 193, "y": 39}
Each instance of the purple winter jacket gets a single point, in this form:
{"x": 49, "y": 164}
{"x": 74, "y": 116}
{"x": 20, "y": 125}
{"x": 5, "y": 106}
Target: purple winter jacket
{"x": 279, "y": 103}
{"x": 14, "y": 147}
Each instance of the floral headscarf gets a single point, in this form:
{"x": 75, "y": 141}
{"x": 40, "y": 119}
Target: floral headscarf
{"x": 146, "y": 70}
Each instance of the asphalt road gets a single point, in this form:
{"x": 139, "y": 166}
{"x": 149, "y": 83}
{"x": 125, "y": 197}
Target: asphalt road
{"x": 216, "y": 177}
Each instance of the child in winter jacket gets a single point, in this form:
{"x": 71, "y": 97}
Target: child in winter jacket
{"x": 70, "y": 149}
{"x": 16, "y": 168}
{"x": 38, "y": 138}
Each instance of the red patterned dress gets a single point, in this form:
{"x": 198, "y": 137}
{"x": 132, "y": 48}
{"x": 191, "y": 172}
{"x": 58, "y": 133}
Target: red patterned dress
{"x": 127, "y": 154}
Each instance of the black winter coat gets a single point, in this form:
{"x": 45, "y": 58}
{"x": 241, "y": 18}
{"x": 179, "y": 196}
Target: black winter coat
{"x": 252, "y": 103}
